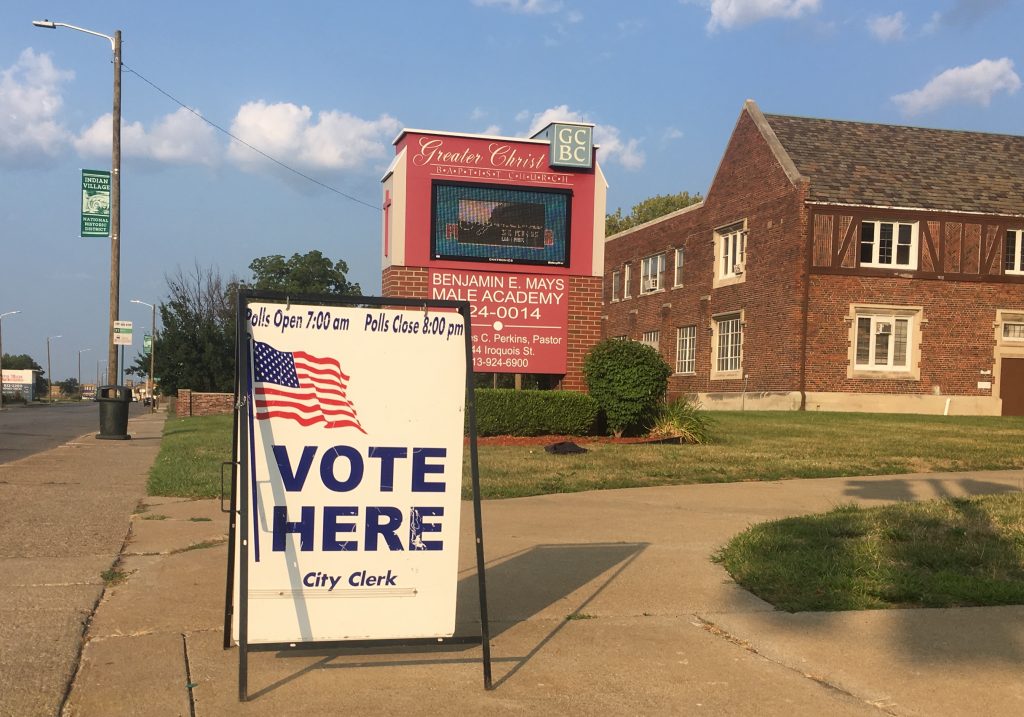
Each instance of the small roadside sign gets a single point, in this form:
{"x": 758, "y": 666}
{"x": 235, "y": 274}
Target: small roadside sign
{"x": 147, "y": 343}
{"x": 95, "y": 203}
{"x": 122, "y": 333}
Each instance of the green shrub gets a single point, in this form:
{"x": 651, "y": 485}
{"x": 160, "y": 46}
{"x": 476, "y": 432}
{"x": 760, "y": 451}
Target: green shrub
{"x": 628, "y": 379}
{"x": 685, "y": 420}
{"x": 501, "y": 412}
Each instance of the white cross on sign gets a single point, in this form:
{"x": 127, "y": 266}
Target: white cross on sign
{"x": 122, "y": 333}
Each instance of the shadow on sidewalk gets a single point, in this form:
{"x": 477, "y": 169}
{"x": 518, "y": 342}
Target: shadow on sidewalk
{"x": 900, "y": 489}
{"x": 519, "y": 586}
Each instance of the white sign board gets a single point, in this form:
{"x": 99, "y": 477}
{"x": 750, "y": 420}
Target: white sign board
{"x": 19, "y": 376}
{"x": 122, "y": 333}
{"x": 355, "y": 420}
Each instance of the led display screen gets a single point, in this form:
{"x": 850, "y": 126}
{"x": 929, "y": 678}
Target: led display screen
{"x": 491, "y": 223}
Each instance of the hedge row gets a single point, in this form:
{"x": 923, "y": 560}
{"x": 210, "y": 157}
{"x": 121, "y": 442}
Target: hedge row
{"x": 504, "y": 412}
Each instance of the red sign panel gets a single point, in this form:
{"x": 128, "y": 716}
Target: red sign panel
{"x": 519, "y": 321}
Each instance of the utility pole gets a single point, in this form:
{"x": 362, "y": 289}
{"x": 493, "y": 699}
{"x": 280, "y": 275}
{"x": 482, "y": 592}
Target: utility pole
{"x": 115, "y": 191}
{"x": 49, "y": 376}
{"x": 115, "y": 216}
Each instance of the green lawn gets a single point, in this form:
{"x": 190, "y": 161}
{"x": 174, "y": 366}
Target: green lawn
{"x": 948, "y": 553}
{"x": 748, "y": 446}
{"x": 766, "y": 446}
{"x": 190, "y": 456}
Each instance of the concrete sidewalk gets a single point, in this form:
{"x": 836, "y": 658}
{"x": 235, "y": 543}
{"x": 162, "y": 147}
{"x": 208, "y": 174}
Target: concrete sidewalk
{"x": 600, "y": 603}
{"x": 64, "y": 517}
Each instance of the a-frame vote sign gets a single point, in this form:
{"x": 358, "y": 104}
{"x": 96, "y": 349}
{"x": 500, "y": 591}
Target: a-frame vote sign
{"x": 345, "y": 506}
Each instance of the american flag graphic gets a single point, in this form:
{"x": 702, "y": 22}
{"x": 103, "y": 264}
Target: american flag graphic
{"x": 302, "y": 388}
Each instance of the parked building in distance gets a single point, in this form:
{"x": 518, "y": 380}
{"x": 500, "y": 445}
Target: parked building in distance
{"x": 837, "y": 266}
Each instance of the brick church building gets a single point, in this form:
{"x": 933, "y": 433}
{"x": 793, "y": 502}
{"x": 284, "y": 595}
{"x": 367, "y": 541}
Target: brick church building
{"x": 837, "y": 266}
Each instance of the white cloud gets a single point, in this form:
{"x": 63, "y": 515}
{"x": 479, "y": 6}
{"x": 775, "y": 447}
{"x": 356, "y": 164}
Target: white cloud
{"x": 933, "y": 24}
{"x": 888, "y": 28}
{"x": 727, "y": 14}
{"x": 672, "y": 134}
{"x": 492, "y": 129}
{"x": 29, "y": 102}
{"x": 970, "y": 85}
{"x": 613, "y": 147}
{"x": 526, "y": 7}
{"x": 334, "y": 140}
{"x": 178, "y": 138}
{"x": 964, "y": 14}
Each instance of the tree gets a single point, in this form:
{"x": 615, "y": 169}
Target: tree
{"x": 69, "y": 387}
{"x": 24, "y": 362}
{"x": 196, "y": 348}
{"x": 309, "y": 273}
{"x": 648, "y": 210}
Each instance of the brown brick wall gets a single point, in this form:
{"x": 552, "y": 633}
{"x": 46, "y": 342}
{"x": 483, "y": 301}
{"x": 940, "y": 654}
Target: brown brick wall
{"x": 750, "y": 185}
{"x": 191, "y": 403}
{"x": 957, "y": 336}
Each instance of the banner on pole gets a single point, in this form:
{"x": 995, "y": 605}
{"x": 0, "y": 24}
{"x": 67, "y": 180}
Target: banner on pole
{"x": 95, "y": 203}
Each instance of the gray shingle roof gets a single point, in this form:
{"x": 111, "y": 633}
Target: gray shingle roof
{"x": 889, "y": 165}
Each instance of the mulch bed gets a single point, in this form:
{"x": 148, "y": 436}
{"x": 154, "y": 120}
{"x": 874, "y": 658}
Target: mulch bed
{"x": 547, "y": 440}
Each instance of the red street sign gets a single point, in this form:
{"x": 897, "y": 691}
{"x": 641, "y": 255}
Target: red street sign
{"x": 520, "y": 322}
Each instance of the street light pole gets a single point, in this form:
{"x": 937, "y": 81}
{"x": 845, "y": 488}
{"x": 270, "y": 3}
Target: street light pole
{"x": 115, "y": 192}
{"x": 49, "y": 376}
{"x": 152, "y": 356}
{"x": 80, "y": 352}
{"x": 6, "y": 313}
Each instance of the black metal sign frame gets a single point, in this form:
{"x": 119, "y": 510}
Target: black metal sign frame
{"x": 240, "y": 509}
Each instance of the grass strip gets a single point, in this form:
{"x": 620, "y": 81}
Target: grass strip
{"x": 190, "y": 458}
{"x": 956, "y": 552}
{"x": 748, "y": 446}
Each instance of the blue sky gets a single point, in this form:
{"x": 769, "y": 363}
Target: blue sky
{"x": 326, "y": 86}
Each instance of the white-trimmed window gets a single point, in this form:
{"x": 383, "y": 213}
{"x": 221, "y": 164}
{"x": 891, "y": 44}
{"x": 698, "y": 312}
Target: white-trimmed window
{"x": 625, "y": 281}
{"x": 883, "y": 343}
{"x": 616, "y": 285}
{"x": 732, "y": 250}
{"x": 680, "y": 258}
{"x": 651, "y": 338}
{"x": 652, "y": 268}
{"x": 1013, "y": 263}
{"x": 1013, "y": 331}
{"x": 729, "y": 353}
{"x": 686, "y": 349}
{"x": 888, "y": 244}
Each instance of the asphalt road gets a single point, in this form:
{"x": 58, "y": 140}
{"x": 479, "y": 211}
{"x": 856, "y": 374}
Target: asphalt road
{"x": 25, "y": 430}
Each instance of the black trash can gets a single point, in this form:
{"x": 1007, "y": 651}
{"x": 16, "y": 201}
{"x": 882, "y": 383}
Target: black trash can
{"x": 114, "y": 402}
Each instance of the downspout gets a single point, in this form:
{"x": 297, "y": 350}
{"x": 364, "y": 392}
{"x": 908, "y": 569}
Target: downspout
{"x": 808, "y": 250}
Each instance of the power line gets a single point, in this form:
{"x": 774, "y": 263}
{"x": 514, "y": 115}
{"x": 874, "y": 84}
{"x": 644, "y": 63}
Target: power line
{"x": 241, "y": 141}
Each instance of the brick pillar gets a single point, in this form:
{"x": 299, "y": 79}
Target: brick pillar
{"x": 584, "y": 327}
{"x": 184, "y": 402}
{"x": 407, "y": 282}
